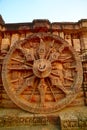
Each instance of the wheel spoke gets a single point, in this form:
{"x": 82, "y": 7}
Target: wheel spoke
{"x": 34, "y": 88}
{"x": 21, "y": 61}
{"x": 42, "y": 87}
{"x": 28, "y": 53}
{"x": 50, "y": 50}
{"x": 18, "y": 68}
{"x": 62, "y": 88}
{"x": 62, "y": 48}
{"x": 24, "y": 77}
{"x": 21, "y": 88}
{"x": 18, "y": 60}
{"x": 55, "y": 73}
{"x": 54, "y": 56}
{"x": 69, "y": 78}
{"x": 28, "y": 82}
{"x": 42, "y": 50}
{"x": 51, "y": 90}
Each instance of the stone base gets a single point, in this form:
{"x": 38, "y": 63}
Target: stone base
{"x": 74, "y": 118}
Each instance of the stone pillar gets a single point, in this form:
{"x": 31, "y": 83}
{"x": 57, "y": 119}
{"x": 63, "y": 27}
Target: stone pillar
{"x": 14, "y": 38}
{"x": 55, "y": 27}
{"x": 84, "y": 59}
{"x": 76, "y": 43}
{"x": 83, "y": 40}
{"x": 68, "y": 39}
{"x": 5, "y": 45}
{"x": 22, "y": 36}
{"x": 83, "y": 35}
{"x": 61, "y": 34}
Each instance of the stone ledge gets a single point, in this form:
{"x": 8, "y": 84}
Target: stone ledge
{"x": 67, "y": 119}
{"x": 18, "y": 117}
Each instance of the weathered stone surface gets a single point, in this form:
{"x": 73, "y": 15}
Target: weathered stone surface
{"x": 68, "y": 119}
{"x": 42, "y": 71}
{"x": 41, "y": 25}
{"x": 74, "y": 119}
{"x": 56, "y": 26}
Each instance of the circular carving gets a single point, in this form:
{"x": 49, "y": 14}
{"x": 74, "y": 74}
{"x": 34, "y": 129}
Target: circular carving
{"x": 42, "y": 73}
{"x": 42, "y": 68}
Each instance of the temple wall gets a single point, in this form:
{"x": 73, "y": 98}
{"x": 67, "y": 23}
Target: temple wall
{"x": 74, "y": 33}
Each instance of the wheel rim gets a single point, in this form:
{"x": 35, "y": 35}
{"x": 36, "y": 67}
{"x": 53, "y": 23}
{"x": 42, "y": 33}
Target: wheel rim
{"x": 42, "y": 73}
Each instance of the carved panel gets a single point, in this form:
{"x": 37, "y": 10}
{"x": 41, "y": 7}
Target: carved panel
{"x": 42, "y": 73}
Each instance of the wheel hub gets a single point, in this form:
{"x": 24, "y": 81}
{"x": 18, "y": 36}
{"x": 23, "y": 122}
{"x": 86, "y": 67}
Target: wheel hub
{"x": 42, "y": 68}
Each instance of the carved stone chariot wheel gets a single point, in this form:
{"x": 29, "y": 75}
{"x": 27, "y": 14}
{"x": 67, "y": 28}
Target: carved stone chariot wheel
{"x": 42, "y": 73}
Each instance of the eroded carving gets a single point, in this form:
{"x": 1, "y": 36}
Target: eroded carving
{"x": 39, "y": 77}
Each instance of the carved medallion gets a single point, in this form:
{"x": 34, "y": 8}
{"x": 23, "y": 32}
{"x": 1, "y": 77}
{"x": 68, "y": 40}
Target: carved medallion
{"x": 42, "y": 73}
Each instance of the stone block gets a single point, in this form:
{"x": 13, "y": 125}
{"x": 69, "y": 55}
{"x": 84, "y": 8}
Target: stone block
{"x": 56, "y": 26}
{"x": 69, "y": 122}
{"x": 39, "y": 22}
{"x": 68, "y": 26}
{"x": 5, "y": 45}
{"x": 74, "y": 119}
